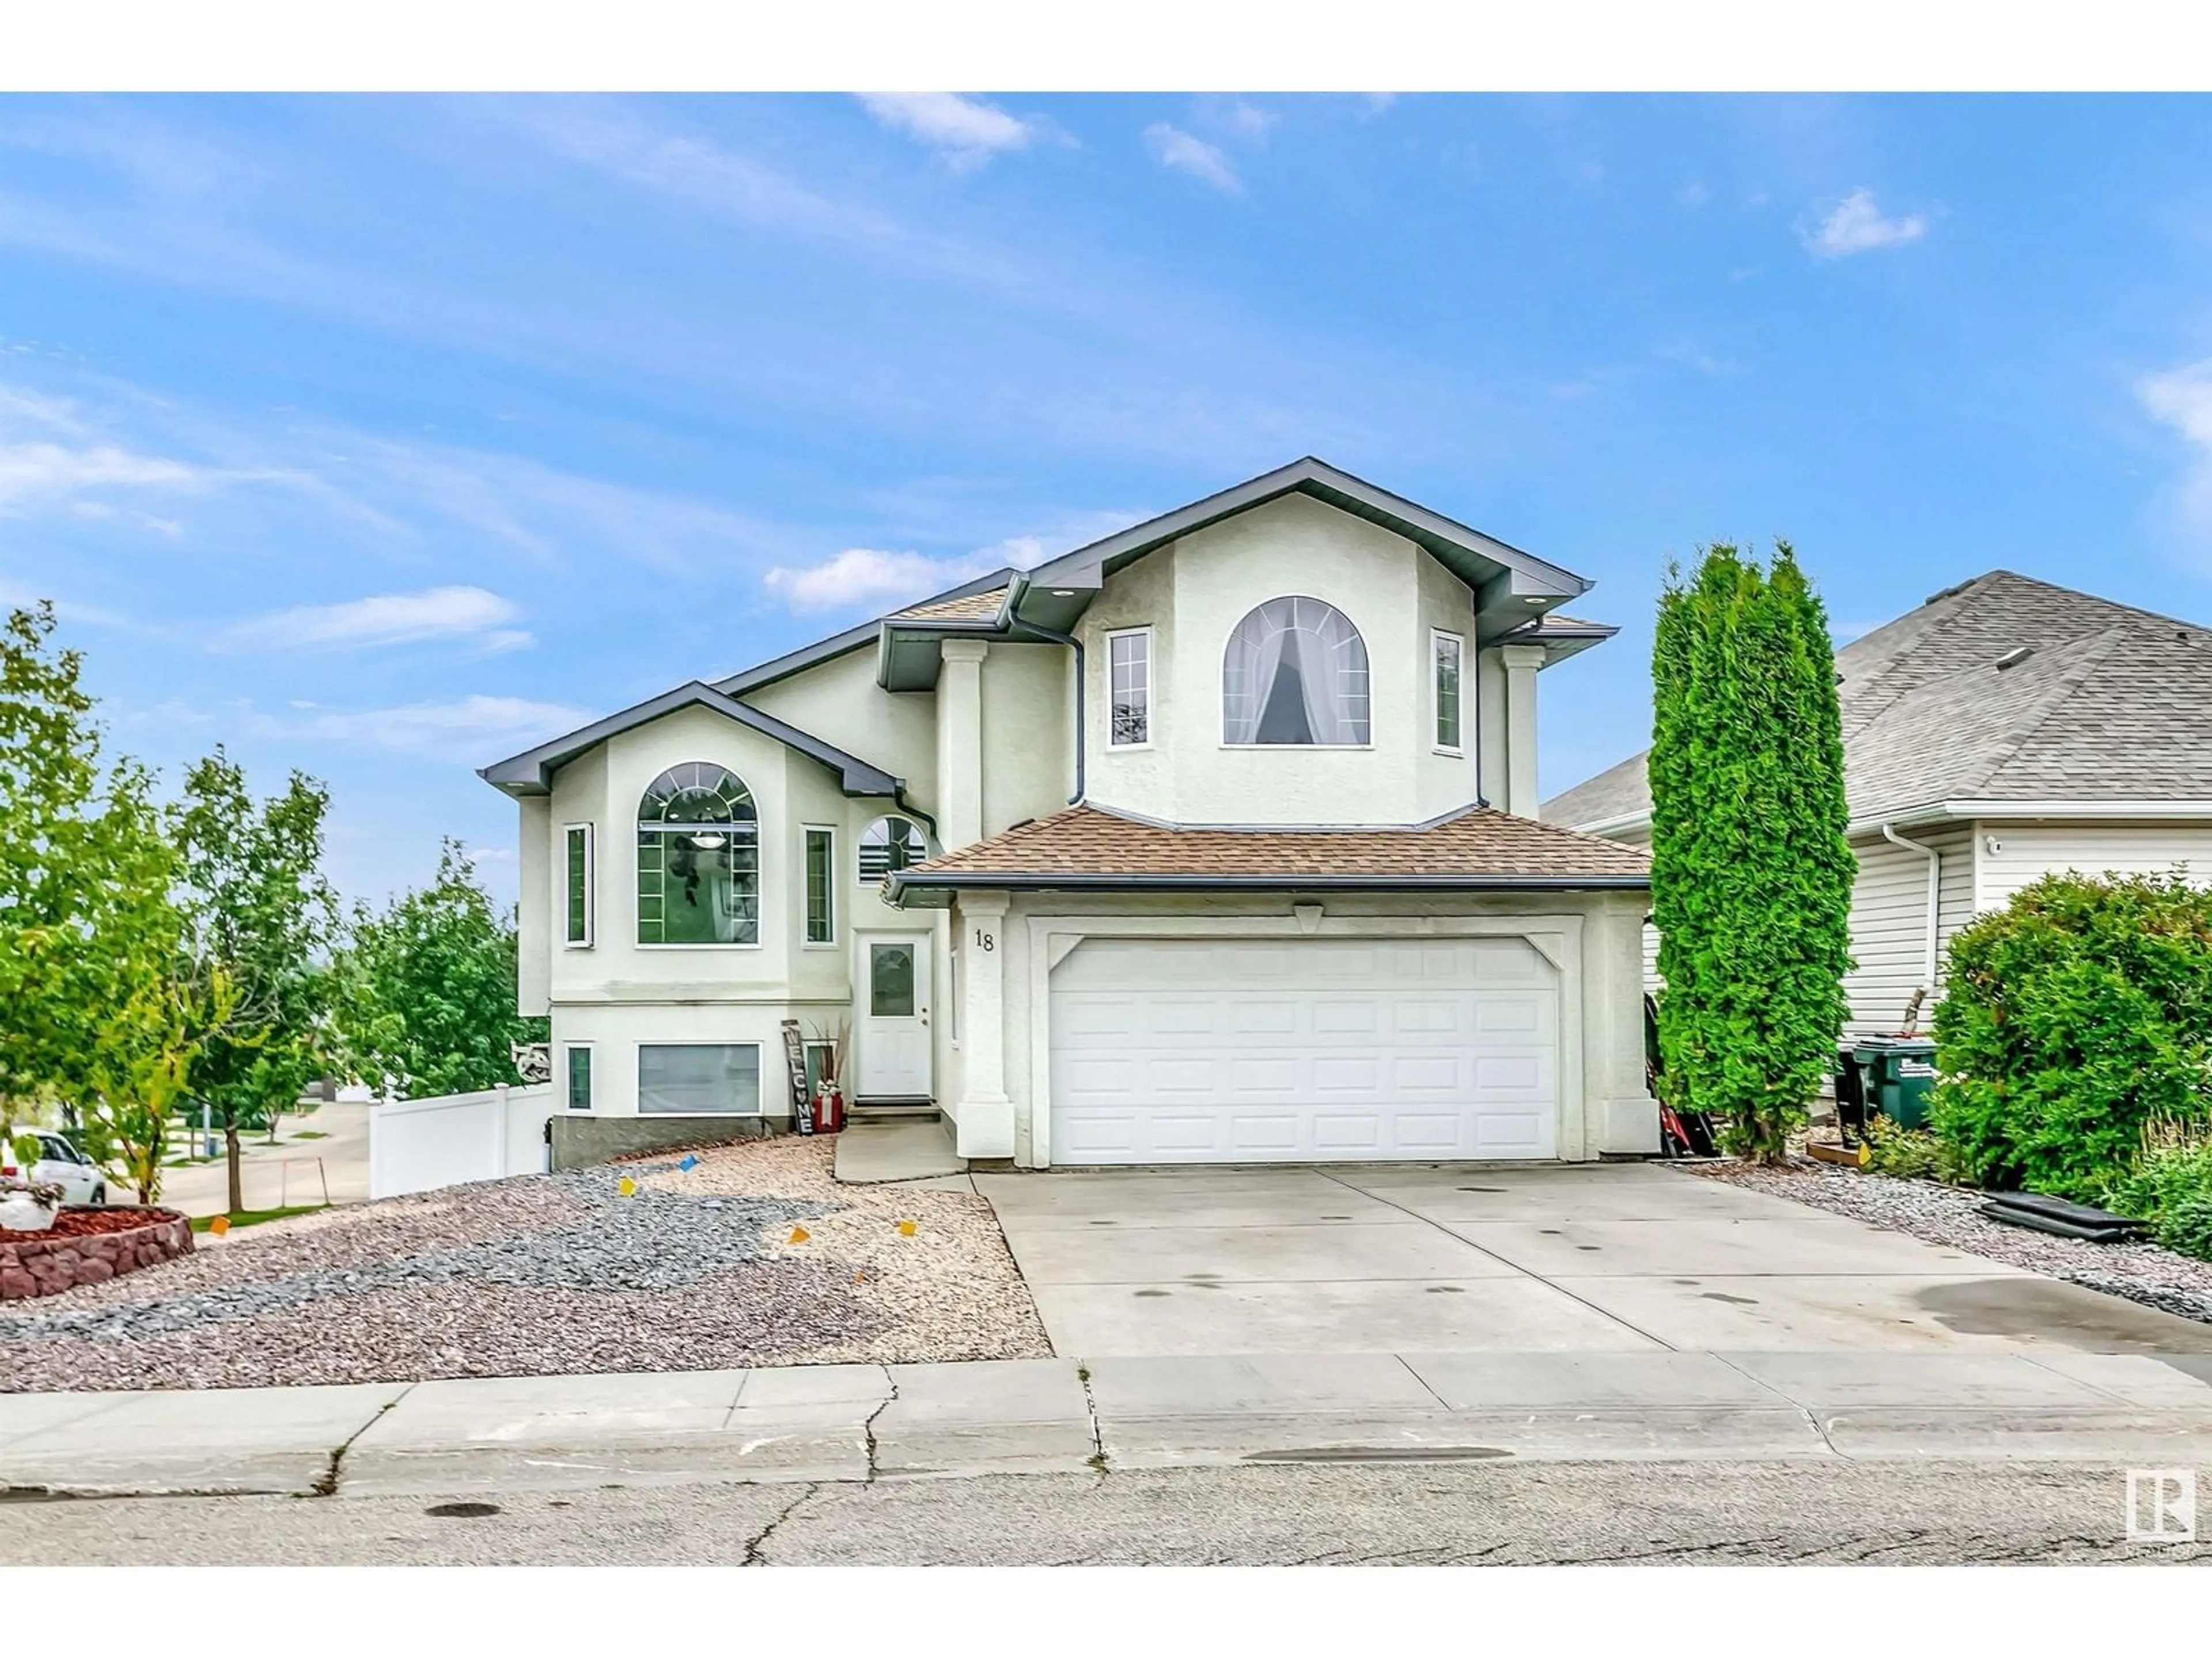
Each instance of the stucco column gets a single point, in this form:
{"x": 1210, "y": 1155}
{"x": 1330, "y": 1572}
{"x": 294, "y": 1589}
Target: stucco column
{"x": 984, "y": 1119}
{"x": 960, "y": 742}
{"x": 1520, "y": 663}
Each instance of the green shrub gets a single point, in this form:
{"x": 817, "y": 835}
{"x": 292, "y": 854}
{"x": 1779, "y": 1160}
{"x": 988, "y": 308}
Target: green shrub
{"x": 1908, "y": 1154}
{"x": 2072, "y": 1019}
{"x": 2170, "y": 1186}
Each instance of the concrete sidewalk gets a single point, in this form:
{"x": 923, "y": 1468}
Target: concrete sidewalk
{"x": 857, "y": 1423}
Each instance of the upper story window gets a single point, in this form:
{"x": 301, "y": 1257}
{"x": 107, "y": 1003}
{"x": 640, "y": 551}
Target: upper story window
{"x": 1295, "y": 673}
{"x": 698, "y": 859}
{"x": 1129, "y": 688}
{"x": 820, "y": 883}
{"x": 578, "y": 900}
{"x": 1448, "y": 652}
{"x": 889, "y": 844}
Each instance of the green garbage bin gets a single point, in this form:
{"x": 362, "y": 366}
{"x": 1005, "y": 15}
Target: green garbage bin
{"x": 1897, "y": 1074}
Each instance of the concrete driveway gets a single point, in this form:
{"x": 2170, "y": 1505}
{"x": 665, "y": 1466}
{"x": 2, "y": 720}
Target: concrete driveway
{"x": 1460, "y": 1259}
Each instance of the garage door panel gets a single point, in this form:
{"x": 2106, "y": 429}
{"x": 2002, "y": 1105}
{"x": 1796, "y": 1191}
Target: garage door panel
{"x": 1283, "y": 1051}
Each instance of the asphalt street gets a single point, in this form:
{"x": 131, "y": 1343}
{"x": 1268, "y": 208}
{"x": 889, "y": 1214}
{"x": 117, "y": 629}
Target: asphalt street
{"x": 1401, "y": 1514}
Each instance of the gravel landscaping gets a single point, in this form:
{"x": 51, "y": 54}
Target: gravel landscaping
{"x": 549, "y": 1274}
{"x": 2145, "y": 1272}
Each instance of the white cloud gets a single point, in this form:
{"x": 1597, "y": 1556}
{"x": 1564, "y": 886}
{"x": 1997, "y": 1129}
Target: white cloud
{"x": 864, "y": 577}
{"x": 1248, "y": 122}
{"x": 966, "y": 132}
{"x": 467, "y": 728}
{"x": 471, "y": 614}
{"x": 1856, "y": 225}
{"x": 2182, "y": 398}
{"x": 1695, "y": 194}
{"x": 32, "y": 470}
{"x": 1172, "y": 147}
{"x": 1688, "y": 352}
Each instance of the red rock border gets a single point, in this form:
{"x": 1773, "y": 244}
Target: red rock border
{"x": 32, "y": 1265}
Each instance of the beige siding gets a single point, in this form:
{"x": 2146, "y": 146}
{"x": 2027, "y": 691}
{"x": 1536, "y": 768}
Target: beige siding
{"x": 2011, "y": 855}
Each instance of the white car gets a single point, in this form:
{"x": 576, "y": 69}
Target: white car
{"x": 77, "y": 1175}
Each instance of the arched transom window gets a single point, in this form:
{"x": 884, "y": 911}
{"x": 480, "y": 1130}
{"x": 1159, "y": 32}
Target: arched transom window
{"x": 889, "y": 844}
{"x": 1295, "y": 673}
{"x": 698, "y": 859}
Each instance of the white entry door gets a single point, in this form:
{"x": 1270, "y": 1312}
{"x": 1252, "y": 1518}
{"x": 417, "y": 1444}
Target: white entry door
{"x": 1167, "y": 1051}
{"x": 895, "y": 1049}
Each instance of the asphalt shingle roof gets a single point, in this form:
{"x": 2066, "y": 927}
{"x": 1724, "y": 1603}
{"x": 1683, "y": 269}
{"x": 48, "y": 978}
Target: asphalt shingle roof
{"x": 2111, "y": 703}
{"x": 1483, "y": 845}
{"x": 968, "y": 607}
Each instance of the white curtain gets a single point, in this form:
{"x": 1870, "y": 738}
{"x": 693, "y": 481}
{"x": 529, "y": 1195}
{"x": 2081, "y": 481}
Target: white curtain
{"x": 1255, "y": 651}
{"x": 1329, "y": 714}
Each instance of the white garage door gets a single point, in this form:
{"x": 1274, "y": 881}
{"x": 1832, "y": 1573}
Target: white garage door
{"x": 1193, "y": 1051}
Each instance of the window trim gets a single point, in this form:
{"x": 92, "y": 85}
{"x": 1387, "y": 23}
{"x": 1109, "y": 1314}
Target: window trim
{"x": 760, "y": 1078}
{"x": 568, "y": 1052}
{"x": 590, "y": 887}
{"x": 806, "y": 941}
{"x": 1437, "y": 744}
{"x": 759, "y": 940}
{"x": 1221, "y": 684}
{"x": 861, "y": 878}
{"x": 1145, "y": 633}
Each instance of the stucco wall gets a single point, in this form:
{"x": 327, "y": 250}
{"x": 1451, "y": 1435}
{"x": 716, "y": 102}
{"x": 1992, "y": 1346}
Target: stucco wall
{"x": 1193, "y": 595}
{"x": 839, "y": 702}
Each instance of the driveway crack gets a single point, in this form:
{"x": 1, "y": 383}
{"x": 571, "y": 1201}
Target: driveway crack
{"x": 1097, "y": 1459}
{"x": 326, "y": 1483}
{"x": 756, "y": 1546}
{"x": 868, "y": 1428}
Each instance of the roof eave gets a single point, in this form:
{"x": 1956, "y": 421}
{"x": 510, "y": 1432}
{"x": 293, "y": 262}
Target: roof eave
{"x": 900, "y": 883}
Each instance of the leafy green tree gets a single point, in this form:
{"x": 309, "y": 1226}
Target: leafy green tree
{"x": 428, "y": 987}
{"x": 260, "y": 916}
{"x": 1750, "y": 869}
{"x": 86, "y": 863}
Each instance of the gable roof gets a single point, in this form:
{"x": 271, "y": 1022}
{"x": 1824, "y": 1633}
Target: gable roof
{"x": 960, "y": 607}
{"x": 1088, "y": 846}
{"x": 1509, "y": 585}
{"x": 863, "y": 634}
{"x": 2110, "y": 704}
{"x": 531, "y": 772}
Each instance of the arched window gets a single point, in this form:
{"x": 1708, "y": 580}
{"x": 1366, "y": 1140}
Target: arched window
{"x": 698, "y": 859}
{"x": 1295, "y": 673}
{"x": 889, "y": 844}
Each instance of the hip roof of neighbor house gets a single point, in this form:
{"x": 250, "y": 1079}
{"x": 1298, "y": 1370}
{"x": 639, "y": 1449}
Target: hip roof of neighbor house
{"x": 1092, "y": 848}
{"x": 2003, "y": 688}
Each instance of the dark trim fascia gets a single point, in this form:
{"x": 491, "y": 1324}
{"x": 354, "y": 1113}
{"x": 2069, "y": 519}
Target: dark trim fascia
{"x": 1085, "y": 566}
{"x": 806, "y": 657}
{"x": 531, "y": 773}
{"x": 901, "y": 880}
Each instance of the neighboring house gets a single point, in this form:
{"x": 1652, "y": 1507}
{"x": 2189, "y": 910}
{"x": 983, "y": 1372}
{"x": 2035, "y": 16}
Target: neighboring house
{"x": 1212, "y": 841}
{"x": 2006, "y": 729}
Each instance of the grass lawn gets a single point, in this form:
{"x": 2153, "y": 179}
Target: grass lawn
{"x": 312, "y": 1134}
{"x": 247, "y": 1218}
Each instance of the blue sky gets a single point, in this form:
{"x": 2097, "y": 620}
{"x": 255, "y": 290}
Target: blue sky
{"x": 381, "y": 437}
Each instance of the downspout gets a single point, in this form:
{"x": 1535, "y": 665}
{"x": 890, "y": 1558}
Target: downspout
{"x": 1072, "y": 644}
{"x": 1935, "y": 890}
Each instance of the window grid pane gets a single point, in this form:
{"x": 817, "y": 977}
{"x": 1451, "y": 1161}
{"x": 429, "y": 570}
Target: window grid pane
{"x": 1448, "y": 681}
{"x": 579, "y": 1080}
{"x": 579, "y": 885}
{"x": 1129, "y": 682}
{"x": 889, "y": 844}
{"x": 820, "y": 921}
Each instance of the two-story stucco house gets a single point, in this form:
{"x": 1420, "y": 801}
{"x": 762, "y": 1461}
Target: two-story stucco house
{"x": 1212, "y": 841}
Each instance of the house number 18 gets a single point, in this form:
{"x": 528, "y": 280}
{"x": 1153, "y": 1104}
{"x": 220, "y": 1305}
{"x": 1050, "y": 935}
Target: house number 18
{"x": 984, "y": 941}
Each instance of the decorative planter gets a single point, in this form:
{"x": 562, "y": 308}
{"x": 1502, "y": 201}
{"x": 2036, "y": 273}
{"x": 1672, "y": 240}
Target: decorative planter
{"x": 90, "y": 1247}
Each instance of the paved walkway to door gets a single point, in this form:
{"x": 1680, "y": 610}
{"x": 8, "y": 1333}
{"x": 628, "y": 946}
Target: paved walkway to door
{"x": 1382, "y": 1259}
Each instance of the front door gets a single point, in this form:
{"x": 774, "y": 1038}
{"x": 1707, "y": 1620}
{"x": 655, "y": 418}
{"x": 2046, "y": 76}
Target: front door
{"x": 895, "y": 1046}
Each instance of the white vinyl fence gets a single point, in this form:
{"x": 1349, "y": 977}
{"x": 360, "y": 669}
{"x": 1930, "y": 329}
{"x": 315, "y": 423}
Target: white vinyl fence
{"x": 415, "y": 1145}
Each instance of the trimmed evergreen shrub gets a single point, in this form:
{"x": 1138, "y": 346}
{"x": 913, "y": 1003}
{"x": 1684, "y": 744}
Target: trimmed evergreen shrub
{"x": 1751, "y": 871}
{"x": 2071, "y": 1019}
